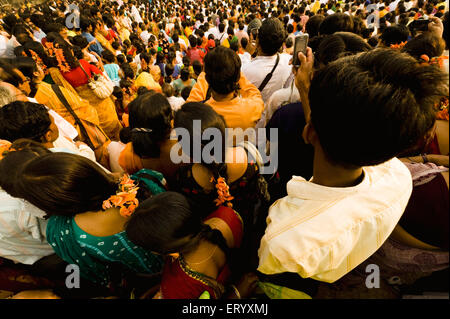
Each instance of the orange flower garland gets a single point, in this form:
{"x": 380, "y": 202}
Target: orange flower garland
{"x": 398, "y": 46}
{"x": 62, "y": 63}
{"x": 38, "y": 60}
{"x": 125, "y": 197}
{"x": 50, "y": 48}
{"x": 223, "y": 192}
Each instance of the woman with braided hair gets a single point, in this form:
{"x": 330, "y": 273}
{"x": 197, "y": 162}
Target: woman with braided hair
{"x": 230, "y": 176}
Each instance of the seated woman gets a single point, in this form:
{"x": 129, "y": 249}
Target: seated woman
{"x": 87, "y": 210}
{"x": 78, "y": 73}
{"x": 149, "y": 144}
{"x": 231, "y": 176}
{"x": 426, "y": 217}
{"x": 166, "y": 224}
{"x": 427, "y": 48}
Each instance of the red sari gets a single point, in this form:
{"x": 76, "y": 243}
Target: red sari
{"x": 179, "y": 281}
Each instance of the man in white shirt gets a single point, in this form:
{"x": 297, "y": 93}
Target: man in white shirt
{"x": 22, "y": 231}
{"x": 271, "y": 36}
{"x": 327, "y": 226}
{"x": 135, "y": 13}
{"x": 145, "y": 35}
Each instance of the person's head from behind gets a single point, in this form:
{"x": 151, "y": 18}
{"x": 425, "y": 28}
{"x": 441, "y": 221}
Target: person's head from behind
{"x": 222, "y": 70}
{"x": 121, "y": 59}
{"x": 193, "y": 41}
{"x": 185, "y": 92}
{"x": 313, "y": 24}
{"x": 244, "y": 42}
{"x": 165, "y": 224}
{"x": 425, "y": 44}
{"x": 234, "y": 46}
{"x": 271, "y": 36}
{"x": 377, "y": 105}
{"x": 65, "y": 184}
{"x": 108, "y": 56}
{"x": 221, "y": 27}
{"x": 335, "y": 23}
{"x": 169, "y": 69}
{"x": 168, "y": 90}
{"x": 79, "y": 41}
{"x": 150, "y": 123}
{"x": 290, "y": 28}
{"x": 12, "y": 160}
{"x": 338, "y": 45}
{"x": 209, "y": 119}
{"x": 197, "y": 67}
{"x": 27, "y": 120}
{"x": 186, "y": 61}
{"x": 185, "y": 74}
{"x": 394, "y": 34}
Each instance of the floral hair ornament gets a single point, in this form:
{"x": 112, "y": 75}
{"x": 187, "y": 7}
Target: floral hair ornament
{"x": 50, "y": 48}
{"x": 398, "y": 46}
{"x": 5, "y": 148}
{"x": 125, "y": 197}
{"x": 62, "y": 63}
{"x": 37, "y": 59}
{"x": 223, "y": 192}
{"x": 436, "y": 60}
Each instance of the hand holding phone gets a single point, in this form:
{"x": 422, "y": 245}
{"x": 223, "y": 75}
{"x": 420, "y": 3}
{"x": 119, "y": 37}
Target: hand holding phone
{"x": 301, "y": 43}
{"x": 419, "y": 25}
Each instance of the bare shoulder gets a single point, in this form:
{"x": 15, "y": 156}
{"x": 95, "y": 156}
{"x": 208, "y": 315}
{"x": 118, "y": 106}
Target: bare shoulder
{"x": 237, "y": 161}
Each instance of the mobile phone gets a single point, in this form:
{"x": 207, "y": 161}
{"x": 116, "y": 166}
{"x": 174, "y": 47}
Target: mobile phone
{"x": 301, "y": 43}
{"x": 420, "y": 25}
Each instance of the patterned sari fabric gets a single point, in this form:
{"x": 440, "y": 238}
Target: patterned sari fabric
{"x": 179, "y": 281}
{"x": 96, "y": 256}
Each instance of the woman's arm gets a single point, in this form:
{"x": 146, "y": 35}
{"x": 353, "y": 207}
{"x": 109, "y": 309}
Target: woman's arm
{"x": 440, "y": 160}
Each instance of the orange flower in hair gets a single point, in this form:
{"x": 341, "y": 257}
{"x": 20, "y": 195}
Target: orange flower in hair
{"x": 398, "y": 46}
{"x": 434, "y": 61}
{"x": 62, "y": 63}
{"x": 125, "y": 198}
{"x": 50, "y": 48}
{"x": 5, "y": 148}
{"x": 223, "y": 192}
{"x": 38, "y": 60}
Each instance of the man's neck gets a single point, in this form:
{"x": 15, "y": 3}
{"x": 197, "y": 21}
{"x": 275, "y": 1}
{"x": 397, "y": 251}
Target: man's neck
{"x": 329, "y": 174}
{"x": 222, "y": 97}
{"x": 263, "y": 54}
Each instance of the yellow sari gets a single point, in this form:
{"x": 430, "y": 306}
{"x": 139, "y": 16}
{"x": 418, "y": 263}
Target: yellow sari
{"x": 106, "y": 111}
{"x": 105, "y": 43}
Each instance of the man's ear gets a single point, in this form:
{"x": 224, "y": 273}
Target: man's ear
{"x": 309, "y": 134}
{"x": 47, "y": 136}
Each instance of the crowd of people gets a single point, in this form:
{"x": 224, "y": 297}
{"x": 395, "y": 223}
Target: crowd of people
{"x": 94, "y": 95}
